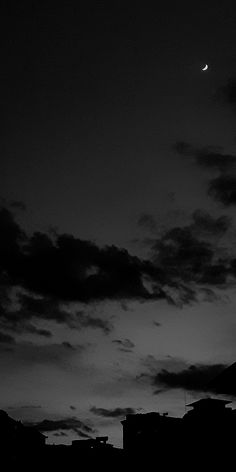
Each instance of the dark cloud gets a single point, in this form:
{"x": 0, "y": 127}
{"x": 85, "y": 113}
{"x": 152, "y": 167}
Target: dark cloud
{"x": 147, "y": 222}
{"x": 215, "y": 274}
{"x": 175, "y": 373}
{"x": 113, "y": 412}
{"x": 69, "y": 269}
{"x": 192, "y": 259}
{"x": 81, "y": 428}
{"x": 86, "y": 321}
{"x": 83, "y": 435}
{"x": 233, "y": 267}
{"x": 20, "y": 320}
{"x": 124, "y": 344}
{"x": 46, "y": 309}
{"x": 14, "y": 323}
{"x": 223, "y": 190}
{"x": 156, "y": 323}
{"x": 193, "y": 377}
{"x": 41, "y": 307}
{"x": 11, "y": 239}
{"x": 209, "y": 157}
{"x": 39, "y": 331}
{"x": 68, "y": 345}
{"x": 60, "y": 434}
{"x": 228, "y": 92}
{"x": 6, "y": 339}
{"x": 18, "y": 205}
{"x": 183, "y": 148}
{"x": 72, "y": 407}
{"x": 51, "y": 272}
{"x": 24, "y": 407}
{"x": 205, "y": 225}
{"x": 75, "y": 270}
{"x": 183, "y": 256}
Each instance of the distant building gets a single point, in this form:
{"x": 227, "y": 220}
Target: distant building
{"x": 100, "y": 442}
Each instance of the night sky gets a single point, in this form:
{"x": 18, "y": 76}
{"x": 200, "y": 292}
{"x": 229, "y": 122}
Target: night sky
{"x": 117, "y": 218}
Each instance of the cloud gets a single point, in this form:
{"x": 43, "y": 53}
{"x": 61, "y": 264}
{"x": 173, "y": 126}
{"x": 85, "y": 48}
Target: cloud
{"x": 124, "y": 344}
{"x": 81, "y": 428}
{"x": 69, "y": 269}
{"x": 189, "y": 256}
{"x": 113, "y": 412}
{"x": 6, "y": 339}
{"x": 45, "y": 309}
{"x": 193, "y": 258}
{"x": 183, "y": 256}
{"x": 41, "y": 307}
{"x": 11, "y": 238}
{"x": 86, "y": 321}
{"x": 72, "y": 407}
{"x": 24, "y": 407}
{"x": 205, "y": 225}
{"x": 156, "y": 323}
{"x": 147, "y": 222}
{"x": 68, "y": 345}
{"x": 18, "y": 205}
{"x": 223, "y": 190}
{"x": 18, "y": 325}
{"x": 193, "y": 377}
{"x": 209, "y": 157}
{"x": 228, "y": 92}
{"x": 50, "y": 274}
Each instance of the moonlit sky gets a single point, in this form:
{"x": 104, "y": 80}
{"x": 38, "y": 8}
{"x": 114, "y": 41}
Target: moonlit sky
{"x": 117, "y": 222}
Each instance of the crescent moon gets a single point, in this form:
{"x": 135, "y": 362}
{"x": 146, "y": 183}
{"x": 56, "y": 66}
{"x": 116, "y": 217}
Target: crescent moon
{"x": 205, "y": 67}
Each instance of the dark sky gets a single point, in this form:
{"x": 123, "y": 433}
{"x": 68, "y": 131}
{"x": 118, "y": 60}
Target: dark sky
{"x": 118, "y": 194}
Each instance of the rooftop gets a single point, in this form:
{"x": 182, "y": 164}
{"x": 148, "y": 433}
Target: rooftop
{"x": 209, "y": 403}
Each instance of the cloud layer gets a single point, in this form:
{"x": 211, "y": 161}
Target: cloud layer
{"x": 113, "y": 412}
{"x": 42, "y": 276}
{"x": 178, "y": 374}
{"x": 223, "y": 187}
{"x": 71, "y": 424}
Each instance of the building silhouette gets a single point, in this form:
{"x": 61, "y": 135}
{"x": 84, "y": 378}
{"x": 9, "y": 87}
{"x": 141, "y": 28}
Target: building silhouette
{"x": 145, "y": 431}
{"x": 205, "y": 433}
{"x": 15, "y": 436}
{"x": 202, "y": 439}
{"x": 99, "y": 443}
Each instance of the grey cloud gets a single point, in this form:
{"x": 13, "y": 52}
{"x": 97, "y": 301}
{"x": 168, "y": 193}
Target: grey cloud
{"x": 113, "y": 412}
{"x": 177, "y": 374}
{"x": 223, "y": 190}
{"x": 209, "y": 157}
{"x": 81, "y": 428}
{"x": 124, "y": 344}
{"x": 6, "y": 339}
